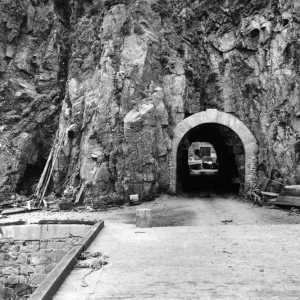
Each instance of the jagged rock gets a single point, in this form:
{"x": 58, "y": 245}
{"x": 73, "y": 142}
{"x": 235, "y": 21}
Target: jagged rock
{"x": 122, "y": 74}
{"x": 32, "y": 80}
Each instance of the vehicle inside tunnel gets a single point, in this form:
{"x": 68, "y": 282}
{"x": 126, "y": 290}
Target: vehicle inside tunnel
{"x": 210, "y": 159}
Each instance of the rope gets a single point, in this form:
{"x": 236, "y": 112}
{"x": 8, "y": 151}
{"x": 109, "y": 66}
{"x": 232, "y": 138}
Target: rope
{"x": 83, "y": 283}
{"x": 95, "y": 264}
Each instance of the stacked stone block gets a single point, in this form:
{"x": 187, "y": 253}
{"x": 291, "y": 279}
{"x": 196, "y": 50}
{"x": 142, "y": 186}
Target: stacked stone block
{"x": 248, "y": 143}
{"x": 26, "y": 262}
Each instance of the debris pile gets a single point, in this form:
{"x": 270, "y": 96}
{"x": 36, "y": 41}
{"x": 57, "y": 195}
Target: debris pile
{"x": 274, "y": 192}
{"x": 91, "y": 260}
{"x": 294, "y": 211}
{"x": 266, "y": 191}
{"x": 16, "y": 204}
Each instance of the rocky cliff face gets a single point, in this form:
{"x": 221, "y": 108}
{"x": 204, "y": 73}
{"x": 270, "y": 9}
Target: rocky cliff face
{"x": 121, "y": 74}
{"x": 33, "y": 72}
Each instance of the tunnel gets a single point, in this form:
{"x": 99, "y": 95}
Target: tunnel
{"x": 236, "y": 153}
{"x": 210, "y": 175}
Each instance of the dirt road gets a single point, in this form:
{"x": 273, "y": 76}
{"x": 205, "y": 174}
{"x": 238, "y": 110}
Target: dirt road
{"x": 206, "y": 211}
{"x": 185, "y": 210}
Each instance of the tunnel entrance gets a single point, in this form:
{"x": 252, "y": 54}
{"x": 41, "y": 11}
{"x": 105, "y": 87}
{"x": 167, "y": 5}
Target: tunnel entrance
{"x": 210, "y": 159}
{"x": 235, "y": 146}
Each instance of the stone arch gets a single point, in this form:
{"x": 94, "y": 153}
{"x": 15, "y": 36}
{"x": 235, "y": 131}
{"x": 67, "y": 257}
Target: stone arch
{"x": 225, "y": 119}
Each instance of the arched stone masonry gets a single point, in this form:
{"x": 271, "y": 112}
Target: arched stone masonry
{"x": 215, "y": 116}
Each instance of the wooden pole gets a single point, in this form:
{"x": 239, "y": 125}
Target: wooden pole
{"x": 80, "y": 192}
{"x": 41, "y": 181}
{"x": 53, "y": 162}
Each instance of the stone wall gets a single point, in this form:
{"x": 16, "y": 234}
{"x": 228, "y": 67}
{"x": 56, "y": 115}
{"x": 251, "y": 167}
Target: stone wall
{"x": 236, "y": 148}
{"x": 239, "y": 141}
{"x": 28, "y": 253}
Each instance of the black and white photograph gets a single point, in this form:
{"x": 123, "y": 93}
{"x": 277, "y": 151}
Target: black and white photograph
{"x": 150, "y": 149}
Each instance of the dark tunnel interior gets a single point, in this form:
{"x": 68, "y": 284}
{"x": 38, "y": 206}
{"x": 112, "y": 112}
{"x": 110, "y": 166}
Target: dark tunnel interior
{"x": 230, "y": 162}
{"x": 31, "y": 177}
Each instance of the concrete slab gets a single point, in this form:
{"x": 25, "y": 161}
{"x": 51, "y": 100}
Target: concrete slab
{"x": 207, "y": 262}
{"x": 144, "y": 218}
{"x": 79, "y": 230}
{"x": 44, "y": 232}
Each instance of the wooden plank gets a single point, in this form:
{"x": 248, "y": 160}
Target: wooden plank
{"x": 52, "y": 167}
{"x": 12, "y": 223}
{"x": 15, "y": 211}
{"x": 42, "y": 178}
{"x": 80, "y": 222}
{"x": 292, "y": 190}
{"x": 271, "y": 195}
{"x": 288, "y": 200}
{"x": 80, "y": 192}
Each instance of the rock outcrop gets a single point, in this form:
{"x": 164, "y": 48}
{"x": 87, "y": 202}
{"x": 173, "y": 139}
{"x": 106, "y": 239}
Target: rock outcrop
{"x": 33, "y": 72}
{"x": 121, "y": 74}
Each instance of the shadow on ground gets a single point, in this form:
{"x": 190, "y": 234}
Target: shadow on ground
{"x": 199, "y": 210}
{"x": 165, "y": 217}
